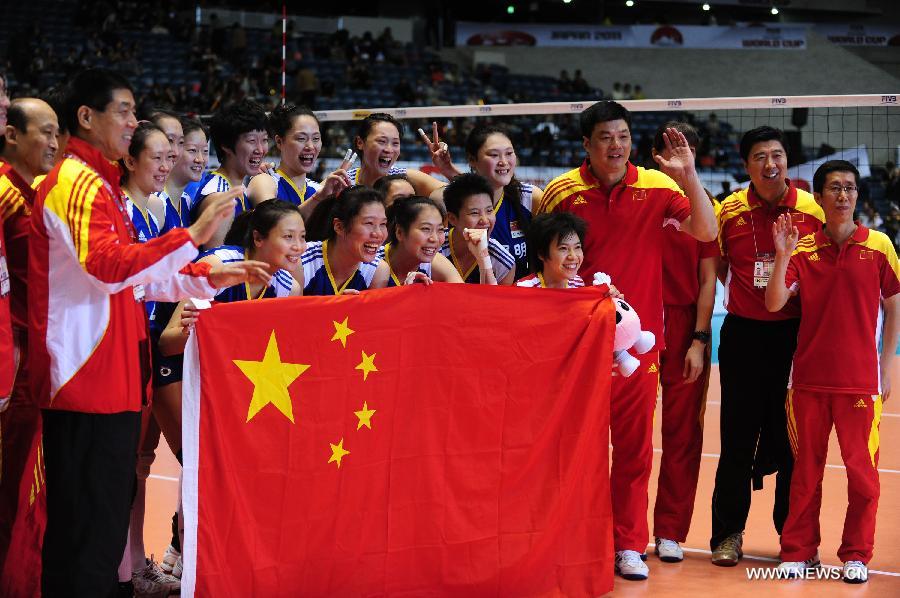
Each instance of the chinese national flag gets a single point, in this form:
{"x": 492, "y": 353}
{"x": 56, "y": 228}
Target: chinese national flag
{"x": 414, "y": 441}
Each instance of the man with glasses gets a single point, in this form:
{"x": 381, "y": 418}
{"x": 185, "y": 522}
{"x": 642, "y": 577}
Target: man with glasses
{"x": 753, "y": 426}
{"x": 838, "y": 377}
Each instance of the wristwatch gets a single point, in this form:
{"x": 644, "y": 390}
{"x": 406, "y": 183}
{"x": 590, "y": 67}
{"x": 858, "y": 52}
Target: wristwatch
{"x": 702, "y": 336}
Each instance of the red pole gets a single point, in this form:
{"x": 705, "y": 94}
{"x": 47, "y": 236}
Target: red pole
{"x": 283, "y": 52}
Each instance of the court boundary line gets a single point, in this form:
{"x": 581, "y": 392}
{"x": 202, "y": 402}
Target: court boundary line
{"x": 769, "y": 559}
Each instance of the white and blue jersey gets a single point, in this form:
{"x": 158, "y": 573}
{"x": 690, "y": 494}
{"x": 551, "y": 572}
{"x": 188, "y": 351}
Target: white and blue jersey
{"x": 397, "y": 281}
{"x": 510, "y": 232}
{"x": 147, "y": 227}
{"x": 179, "y": 217}
{"x": 318, "y": 278}
{"x": 536, "y": 281}
{"x": 501, "y": 260}
{"x": 279, "y": 286}
{"x": 353, "y": 173}
{"x": 215, "y": 182}
{"x": 288, "y": 191}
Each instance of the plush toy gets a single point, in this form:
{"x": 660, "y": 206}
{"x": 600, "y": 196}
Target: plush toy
{"x": 628, "y": 333}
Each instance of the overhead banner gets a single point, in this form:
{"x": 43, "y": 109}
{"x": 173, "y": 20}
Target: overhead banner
{"x": 637, "y": 36}
{"x": 845, "y": 34}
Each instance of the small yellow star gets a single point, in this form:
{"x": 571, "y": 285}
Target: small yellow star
{"x": 342, "y": 331}
{"x": 271, "y": 378}
{"x": 365, "y": 416}
{"x": 367, "y": 365}
{"x": 337, "y": 452}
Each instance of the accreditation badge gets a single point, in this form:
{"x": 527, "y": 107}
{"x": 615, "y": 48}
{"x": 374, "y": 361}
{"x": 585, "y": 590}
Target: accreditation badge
{"x": 762, "y": 269}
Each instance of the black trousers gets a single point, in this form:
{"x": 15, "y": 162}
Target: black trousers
{"x": 754, "y": 365}
{"x": 90, "y": 461}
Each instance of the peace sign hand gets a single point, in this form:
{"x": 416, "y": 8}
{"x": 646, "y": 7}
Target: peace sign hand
{"x": 440, "y": 152}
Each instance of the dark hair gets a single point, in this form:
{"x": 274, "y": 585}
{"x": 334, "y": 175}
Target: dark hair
{"x": 547, "y": 227}
{"x": 404, "y": 211}
{"x": 366, "y": 124}
{"x": 758, "y": 135}
{"x": 92, "y": 88}
{"x": 261, "y": 219}
{"x": 686, "y": 129}
{"x": 56, "y": 98}
{"x": 157, "y": 115}
{"x": 513, "y": 190}
{"x": 343, "y": 207}
{"x": 282, "y": 118}
{"x": 383, "y": 185}
{"x": 233, "y": 121}
{"x": 463, "y": 187}
{"x": 189, "y": 125}
{"x": 602, "y": 112}
{"x": 830, "y": 166}
{"x": 139, "y": 141}
{"x": 16, "y": 116}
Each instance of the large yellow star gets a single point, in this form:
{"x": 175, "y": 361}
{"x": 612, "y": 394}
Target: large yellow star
{"x": 365, "y": 416}
{"x": 367, "y": 365}
{"x": 271, "y": 379}
{"x": 337, "y": 452}
{"x": 342, "y": 331}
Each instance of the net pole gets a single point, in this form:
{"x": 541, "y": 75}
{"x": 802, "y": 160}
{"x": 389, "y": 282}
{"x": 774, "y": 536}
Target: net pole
{"x": 283, "y": 52}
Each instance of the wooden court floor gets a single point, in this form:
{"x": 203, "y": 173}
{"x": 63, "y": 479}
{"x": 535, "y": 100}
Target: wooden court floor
{"x": 696, "y": 576}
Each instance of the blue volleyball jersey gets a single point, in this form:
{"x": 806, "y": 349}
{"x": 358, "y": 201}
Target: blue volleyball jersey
{"x": 215, "y": 182}
{"x": 279, "y": 286}
{"x": 501, "y": 260}
{"x": 179, "y": 217}
{"x": 510, "y": 232}
{"x": 288, "y": 191}
{"x": 353, "y": 173}
{"x": 397, "y": 281}
{"x": 191, "y": 190}
{"x": 319, "y": 280}
{"x": 147, "y": 227}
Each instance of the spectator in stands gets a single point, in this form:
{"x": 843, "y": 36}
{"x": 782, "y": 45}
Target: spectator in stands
{"x": 869, "y": 217}
{"x": 4, "y": 102}
{"x": 579, "y": 85}
{"x": 306, "y": 85}
{"x": 617, "y": 93}
{"x": 639, "y": 93}
{"x": 404, "y": 92}
{"x": 626, "y": 91}
{"x": 565, "y": 81}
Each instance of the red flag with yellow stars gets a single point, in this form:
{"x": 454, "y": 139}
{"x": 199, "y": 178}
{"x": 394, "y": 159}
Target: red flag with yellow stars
{"x": 442, "y": 440}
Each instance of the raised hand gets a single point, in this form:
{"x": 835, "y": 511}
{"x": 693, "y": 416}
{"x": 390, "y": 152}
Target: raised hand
{"x": 440, "y": 151}
{"x": 416, "y": 276}
{"x": 477, "y": 240}
{"x": 233, "y": 273}
{"x": 680, "y": 159}
{"x": 218, "y": 208}
{"x": 338, "y": 180}
{"x": 785, "y": 235}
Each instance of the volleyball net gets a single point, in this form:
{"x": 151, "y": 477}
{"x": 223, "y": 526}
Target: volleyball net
{"x": 864, "y": 129}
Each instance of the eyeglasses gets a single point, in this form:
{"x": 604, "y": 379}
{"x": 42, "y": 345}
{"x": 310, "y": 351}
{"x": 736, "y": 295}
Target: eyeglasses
{"x": 837, "y": 189}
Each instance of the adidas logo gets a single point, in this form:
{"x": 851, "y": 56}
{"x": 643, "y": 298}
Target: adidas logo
{"x": 652, "y": 369}
{"x": 740, "y": 221}
{"x": 814, "y": 257}
{"x": 579, "y": 201}
{"x": 861, "y": 404}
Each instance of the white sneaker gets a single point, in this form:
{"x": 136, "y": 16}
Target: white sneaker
{"x": 669, "y": 551}
{"x": 151, "y": 582}
{"x": 630, "y": 566}
{"x": 797, "y": 568}
{"x": 856, "y": 572}
{"x": 170, "y": 558}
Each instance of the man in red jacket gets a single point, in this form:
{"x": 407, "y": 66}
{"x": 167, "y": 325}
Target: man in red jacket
{"x": 89, "y": 357}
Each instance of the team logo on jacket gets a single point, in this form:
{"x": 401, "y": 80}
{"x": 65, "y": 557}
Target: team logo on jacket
{"x": 814, "y": 257}
{"x": 639, "y": 194}
{"x": 740, "y": 221}
{"x": 861, "y": 404}
{"x": 866, "y": 254}
{"x": 652, "y": 369}
{"x": 579, "y": 201}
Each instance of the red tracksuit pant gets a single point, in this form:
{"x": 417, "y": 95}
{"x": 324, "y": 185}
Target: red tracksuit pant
{"x": 683, "y": 406}
{"x": 810, "y": 418}
{"x": 632, "y": 401}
